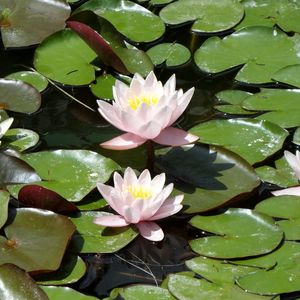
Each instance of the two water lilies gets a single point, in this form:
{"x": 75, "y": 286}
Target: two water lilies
{"x": 146, "y": 110}
{"x": 139, "y": 201}
{"x": 294, "y": 162}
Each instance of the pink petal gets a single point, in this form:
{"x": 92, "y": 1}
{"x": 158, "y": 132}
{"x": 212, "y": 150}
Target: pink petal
{"x": 108, "y": 112}
{"x": 149, "y": 130}
{"x": 150, "y": 231}
{"x": 170, "y": 207}
{"x": 170, "y": 85}
{"x": 118, "y": 181}
{"x": 293, "y": 161}
{"x": 124, "y": 142}
{"x": 293, "y": 191}
{"x": 132, "y": 213}
{"x": 129, "y": 177}
{"x": 111, "y": 221}
{"x": 145, "y": 178}
{"x": 158, "y": 182}
{"x": 171, "y": 136}
{"x": 183, "y": 102}
{"x": 108, "y": 194}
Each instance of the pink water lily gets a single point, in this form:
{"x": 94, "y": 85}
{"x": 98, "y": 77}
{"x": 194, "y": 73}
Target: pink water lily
{"x": 294, "y": 162}
{"x": 146, "y": 110}
{"x": 139, "y": 201}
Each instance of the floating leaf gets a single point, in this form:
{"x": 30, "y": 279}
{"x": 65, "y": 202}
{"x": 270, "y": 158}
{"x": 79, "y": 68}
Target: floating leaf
{"x": 146, "y": 292}
{"x": 235, "y": 99}
{"x": 32, "y": 234}
{"x": 92, "y": 238}
{"x": 296, "y": 136}
{"x": 70, "y": 173}
{"x": 209, "y": 16}
{"x": 91, "y": 205}
{"x": 239, "y": 233}
{"x": 289, "y": 75}
{"x": 40, "y": 197}
{"x": 282, "y": 175}
{"x": 239, "y": 135}
{"x": 278, "y": 273}
{"x": 35, "y": 79}
{"x": 244, "y": 47}
{"x": 291, "y": 229}
{"x": 217, "y": 271}
{"x": 207, "y": 177}
{"x": 28, "y": 22}
{"x": 103, "y": 86}
{"x": 66, "y": 58}
{"x": 16, "y": 284}
{"x": 19, "y": 96}
{"x": 281, "y": 106}
{"x": 70, "y": 271}
{"x": 54, "y": 293}
{"x": 271, "y": 12}
{"x": 20, "y": 139}
{"x": 286, "y": 207}
{"x": 4, "y": 200}
{"x": 132, "y": 20}
{"x": 172, "y": 54}
{"x": 14, "y": 170}
{"x": 189, "y": 288}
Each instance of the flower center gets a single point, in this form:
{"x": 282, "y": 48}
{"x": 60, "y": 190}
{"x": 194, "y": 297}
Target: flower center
{"x": 139, "y": 191}
{"x": 135, "y": 101}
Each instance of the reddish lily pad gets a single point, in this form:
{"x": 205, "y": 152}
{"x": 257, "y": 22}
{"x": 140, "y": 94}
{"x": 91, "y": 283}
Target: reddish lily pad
{"x": 16, "y": 284}
{"x": 32, "y": 234}
{"x": 18, "y": 96}
{"x": 28, "y": 22}
{"x": 40, "y": 197}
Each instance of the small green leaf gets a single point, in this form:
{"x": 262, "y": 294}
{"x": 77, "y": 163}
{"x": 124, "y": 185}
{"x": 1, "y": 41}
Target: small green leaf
{"x": 103, "y": 86}
{"x": 146, "y": 292}
{"x": 4, "y": 200}
{"x": 65, "y": 293}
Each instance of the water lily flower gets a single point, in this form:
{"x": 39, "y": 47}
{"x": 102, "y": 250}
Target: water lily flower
{"x": 294, "y": 162}
{"x": 139, "y": 201}
{"x": 146, "y": 110}
{"x": 4, "y": 126}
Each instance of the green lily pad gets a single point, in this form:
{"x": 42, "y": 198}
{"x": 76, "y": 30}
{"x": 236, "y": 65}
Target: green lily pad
{"x": 286, "y": 207}
{"x": 172, "y": 54}
{"x": 146, "y": 292}
{"x": 207, "y": 177}
{"x": 70, "y": 173}
{"x": 20, "y": 139}
{"x": 270, "y": 12}
{"x": 244, "y": 47}
{"x": 189, "y": 288}
{"x": 19, "y": 96}
{"x": 233, "y": 100}
{"x": 66, "y": 58}
{"x": 281, "y": 106}
{"x": 103, "y": 86}
{"x": 91, "y": 205}
{"x": 131, "y": 19}
{"x": 70, "y": 271}
{"x": 16, "y": 284}
{"x": 282, "y": 175}
{"x": 32, "y": 233}
{"x": 209, "y": 16}
{"x": 92, "y": 238}
{"x": 291, "y": 229}
{"x": 4, "y": 200}
{"x": 66, "y": 293}
{"x": 217, "y": 271}
{"x": 239, "y": 233}
{"x": 239, "y": 135}
{"x": 278, "y": 273}
{"x": 36, "y": 80}
{"x": 296, "y": 136}
{"x": 28, "y": 22}
{"x": 289, "y": 75}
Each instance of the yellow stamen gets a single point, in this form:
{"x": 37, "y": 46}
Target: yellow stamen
{"x": 135, "y": 102}
{"x": 139, "y": 191}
